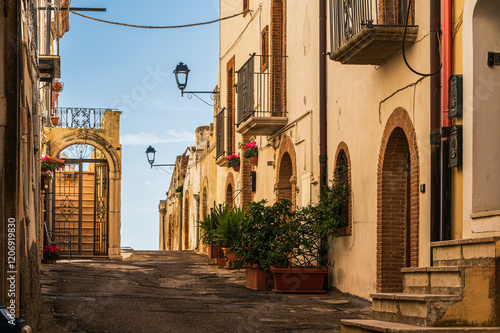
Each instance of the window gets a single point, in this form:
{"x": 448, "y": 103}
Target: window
{"x": 246, "y": 6}
{"x": 343, "y": 174}
{"x": 264, "y": 46}
{"x": 230, "y": 108}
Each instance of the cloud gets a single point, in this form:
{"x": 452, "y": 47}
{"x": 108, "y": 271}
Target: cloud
{"x": 147, "y": 138}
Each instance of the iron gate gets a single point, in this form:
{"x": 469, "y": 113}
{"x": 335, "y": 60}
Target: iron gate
{"x": 80, "y": 206}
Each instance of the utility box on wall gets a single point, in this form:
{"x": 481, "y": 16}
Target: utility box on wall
{"x": 456, "y": 98}
{"x": 455, "y": 146}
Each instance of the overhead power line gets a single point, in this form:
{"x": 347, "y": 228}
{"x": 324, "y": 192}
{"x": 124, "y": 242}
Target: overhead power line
{"x": 158, "y": 27}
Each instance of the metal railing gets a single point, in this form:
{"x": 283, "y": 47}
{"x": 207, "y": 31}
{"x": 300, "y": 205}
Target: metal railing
{"x": 349, "y": 17}
{"x": 260, "y": 94}
{"x": 81, "y": 117}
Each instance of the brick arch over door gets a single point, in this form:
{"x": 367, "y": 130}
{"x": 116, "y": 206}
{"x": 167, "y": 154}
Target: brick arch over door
{"x": 397, "y": 202}
{"x": 186, "y": 220}
{"x": 230, "y": 190}
{"x": 286, "y": 177}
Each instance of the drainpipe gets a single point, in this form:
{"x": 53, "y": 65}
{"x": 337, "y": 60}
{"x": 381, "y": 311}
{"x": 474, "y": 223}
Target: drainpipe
{"x": 446, "y": 121}
{"x": 435, "y": 122}
{"x": 323, "y": 157}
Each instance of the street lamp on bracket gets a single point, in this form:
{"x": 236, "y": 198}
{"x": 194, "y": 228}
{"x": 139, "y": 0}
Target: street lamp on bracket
{"x": 150, "y": 154}
{"x": 181, "y": 77}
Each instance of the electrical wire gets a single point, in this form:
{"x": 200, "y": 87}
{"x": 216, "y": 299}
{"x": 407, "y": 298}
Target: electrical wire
{"x": 403, "y": 47}
{"x": 158, "y": 27}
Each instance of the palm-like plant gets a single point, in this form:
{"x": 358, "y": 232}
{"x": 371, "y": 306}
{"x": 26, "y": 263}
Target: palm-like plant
{"x": 229, "y": 226}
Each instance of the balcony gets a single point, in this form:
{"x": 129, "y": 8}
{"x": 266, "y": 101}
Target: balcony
{"x": 49, "y": 67}
{"x": 369, "y": 32}
{"x": 261, "y": 99}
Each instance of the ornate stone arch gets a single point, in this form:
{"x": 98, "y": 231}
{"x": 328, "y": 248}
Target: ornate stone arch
{"x": 286, "y": 175}
{"x": 397, "y": 195}
{"x": 229, "y": 190}
{"x": 62, "y": 138}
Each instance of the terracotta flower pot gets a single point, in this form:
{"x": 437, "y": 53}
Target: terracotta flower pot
{"x": 50, "y": 260}
{"x": 236, "y": 168}
{"x": 254, "y": 160}
{"x": 55, "y": 121}
{"x": 229, "y": 257}
{"x": 256, "y": 278}
{"x": 299, "y": 279}
{"x": 214, "y": 253}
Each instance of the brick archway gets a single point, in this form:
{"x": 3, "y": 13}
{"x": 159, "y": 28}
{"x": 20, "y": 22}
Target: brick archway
{"x": 230, "y": 187}
{"x": 397, "y": 202}
{"x": 186, "y": 220}
{"x": 286, "y": 177}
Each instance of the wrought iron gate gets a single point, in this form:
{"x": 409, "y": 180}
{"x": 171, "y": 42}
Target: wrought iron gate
{"x": 101, "y": 210}
{"x": 80, "y": 206}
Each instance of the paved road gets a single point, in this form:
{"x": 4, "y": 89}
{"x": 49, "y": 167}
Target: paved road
{"x": 178, "y": 292}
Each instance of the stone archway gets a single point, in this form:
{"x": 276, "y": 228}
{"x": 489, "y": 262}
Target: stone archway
{"x": 286, "y": 178}
{"x": 61, "y": 138}
{"x": 397, "y": 202}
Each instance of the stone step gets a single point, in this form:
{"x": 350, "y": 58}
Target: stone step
{"x": 434, "y": 280}
{"x": 412, "y": 309}
{"x": 476, "y": 252}
{"x": 371, "y": 326}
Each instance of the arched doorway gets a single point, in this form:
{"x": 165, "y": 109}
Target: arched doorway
{"x": 109, "y": 148}
{"x": 286, "y": 177}
{"x": 284, "y": 186}
{"x": 230, "y": 191}
{"x": 398, "y": 204}
{"x": 186, "y": 220}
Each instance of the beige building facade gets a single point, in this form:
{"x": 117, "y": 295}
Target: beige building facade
{"x": 319, "y": 89}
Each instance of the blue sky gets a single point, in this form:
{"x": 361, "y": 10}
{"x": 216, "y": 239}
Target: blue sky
{"x": 130, "y": 69}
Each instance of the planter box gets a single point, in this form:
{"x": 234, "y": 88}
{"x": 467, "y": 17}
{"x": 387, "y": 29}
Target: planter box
{"x": 299, "y": 279}
{"x": 256, "y": 278}
{"x": 213, "y": 254}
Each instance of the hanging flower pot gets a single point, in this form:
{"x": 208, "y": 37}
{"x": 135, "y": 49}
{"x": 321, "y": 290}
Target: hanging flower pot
{"x": 233, "y": 161}
{"x": 253, "y": 160}
{"x": 55, "y": 121}
{"x": 251, "y": 152}
{"x": 46, "y": 164}
{"x": 57, "y": 87}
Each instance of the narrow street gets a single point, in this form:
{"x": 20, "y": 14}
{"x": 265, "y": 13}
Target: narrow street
{"x": 178, "y": 292}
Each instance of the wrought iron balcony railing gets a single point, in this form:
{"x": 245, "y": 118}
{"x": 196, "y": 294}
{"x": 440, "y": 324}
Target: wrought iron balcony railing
{"x": 368, "y": 26}
{"x": 260, "y": 94}
{"x": 81, "y": 117}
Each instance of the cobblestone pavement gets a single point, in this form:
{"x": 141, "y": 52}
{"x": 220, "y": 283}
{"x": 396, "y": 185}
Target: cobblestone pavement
{"x": 179, "y": 292}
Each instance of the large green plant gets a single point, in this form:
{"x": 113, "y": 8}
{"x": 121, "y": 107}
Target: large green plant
{"x": 229, "y": 227}
{"x": 211, "y": 221}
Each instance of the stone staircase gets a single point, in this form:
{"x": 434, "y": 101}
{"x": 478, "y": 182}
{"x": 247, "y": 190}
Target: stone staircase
{"x": 459, "y": 293}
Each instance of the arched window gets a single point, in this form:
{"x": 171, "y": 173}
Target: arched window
{"x": 343, "y": 175}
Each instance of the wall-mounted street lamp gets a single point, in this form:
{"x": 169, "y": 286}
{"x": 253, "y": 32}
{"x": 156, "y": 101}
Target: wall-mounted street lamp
{"x": 150, "y": 154}
{"x": 181, "y": 77}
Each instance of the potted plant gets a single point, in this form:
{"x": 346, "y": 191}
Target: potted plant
{"x": 57, "y": 87}
{"x": 251, "y": 151}
{"x": 55, "y": 120}
{"x": 254, "y": 248}
{"x": 50, "y": 254}
{"x": 208, "y": 226}
{"x": 46, "y": 164}
{"x": 48, "y": 175}
{"x": 228, "y": 232}
{"x": 233, "y": 161}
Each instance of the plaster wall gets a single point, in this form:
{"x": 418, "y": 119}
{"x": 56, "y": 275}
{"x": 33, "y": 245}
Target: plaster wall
{"x": 481, "y": 211}
{"x": 359, "y": 105}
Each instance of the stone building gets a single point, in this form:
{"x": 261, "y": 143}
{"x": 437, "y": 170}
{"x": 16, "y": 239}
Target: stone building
{"x": 325, "y": 85}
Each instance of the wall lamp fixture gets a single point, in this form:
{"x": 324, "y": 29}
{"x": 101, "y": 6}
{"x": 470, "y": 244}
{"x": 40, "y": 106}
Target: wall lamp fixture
{"x": 181, "y": 77}
{"x": 150, "y": 154}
